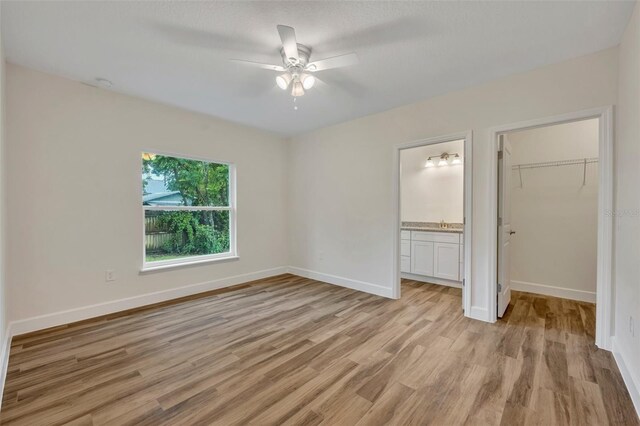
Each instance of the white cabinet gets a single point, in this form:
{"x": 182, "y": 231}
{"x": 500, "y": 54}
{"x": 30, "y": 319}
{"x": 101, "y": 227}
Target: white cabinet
{"x": 436, "y": 237}
{"x": 405, "y": 264}
{"x": 405, "y": 248}
{"x": 405, "y": 251}
{"x": 422, "y": 257}
{"x": 432, "y": 254}
{"x": 446, "y": 262}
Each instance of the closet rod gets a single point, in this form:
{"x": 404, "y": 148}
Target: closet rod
{"x": 579, "y": 161}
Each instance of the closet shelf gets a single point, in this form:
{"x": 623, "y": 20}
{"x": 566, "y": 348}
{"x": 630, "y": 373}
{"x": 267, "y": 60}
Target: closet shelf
{"x": 577, "y": 162}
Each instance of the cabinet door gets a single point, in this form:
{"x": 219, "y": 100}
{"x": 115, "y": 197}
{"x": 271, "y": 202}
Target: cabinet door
{"x": 422, "y": 258}
{"x": 405, "y": 264}
{"x": 447, "y": 261}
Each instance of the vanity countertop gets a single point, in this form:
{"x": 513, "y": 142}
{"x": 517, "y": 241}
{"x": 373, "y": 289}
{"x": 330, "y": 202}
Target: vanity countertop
{"x": 453, "y": 228}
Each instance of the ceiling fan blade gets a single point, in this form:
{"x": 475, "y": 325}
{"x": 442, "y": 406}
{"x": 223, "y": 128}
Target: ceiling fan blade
{"x": 259, "y": 65}
{"x": 320, "y": 83}
{"x": 289, "y": 43}
{"x": 340, "y": 81}
{"x": 334, "y": 62}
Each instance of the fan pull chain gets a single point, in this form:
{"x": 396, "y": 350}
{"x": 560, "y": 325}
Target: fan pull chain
{"x": 295, "y": 107}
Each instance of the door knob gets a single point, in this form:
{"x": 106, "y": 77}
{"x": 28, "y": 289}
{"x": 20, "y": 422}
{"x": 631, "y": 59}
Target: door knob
{"x": 512, "y": 232}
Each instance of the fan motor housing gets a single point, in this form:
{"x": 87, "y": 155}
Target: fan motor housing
{"x": 304, "y": 53}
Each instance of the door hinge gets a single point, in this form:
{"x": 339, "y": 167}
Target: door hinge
{"x": 499, "y": 288}
{"x": 500, "y": 155}
{"x": 499, "y": 221}
{"x": 463, "y": 282}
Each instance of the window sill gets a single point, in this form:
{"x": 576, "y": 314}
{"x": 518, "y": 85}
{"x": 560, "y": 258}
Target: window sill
{"x": 195, "y": 262}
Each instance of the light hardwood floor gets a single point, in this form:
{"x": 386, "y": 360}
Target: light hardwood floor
{"x": 290, "y": 350}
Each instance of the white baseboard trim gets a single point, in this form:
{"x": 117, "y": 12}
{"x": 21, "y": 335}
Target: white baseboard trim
{"x": 632, "y": 381}
{"x": 480, "y": 314}
{"x": 565, "y": 293}
{"x": 431, "y": 280}
{"x": 366, "y": 287}
{"x": 78, "y": 314}
{"x": 4, "y": 358}
{"x": 55, "y": 319}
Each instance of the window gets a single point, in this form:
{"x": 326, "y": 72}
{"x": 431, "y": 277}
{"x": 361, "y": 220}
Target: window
{"x": 189, "y": 212}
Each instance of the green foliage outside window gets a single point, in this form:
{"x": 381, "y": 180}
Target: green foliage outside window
{"x": 200, "y": 183}
{"x": 188, "y": 232}
{"x": 193, "y": 234}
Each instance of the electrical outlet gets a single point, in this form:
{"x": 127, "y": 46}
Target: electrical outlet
{"x": 109, "y": 275}
{"x": 632, "y": 330}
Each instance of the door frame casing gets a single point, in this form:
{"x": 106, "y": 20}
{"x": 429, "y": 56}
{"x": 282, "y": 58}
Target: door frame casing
{"x": 468, "y": 209}
{"x": 605, "y": 208}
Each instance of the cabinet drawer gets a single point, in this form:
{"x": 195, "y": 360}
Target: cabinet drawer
{"x": 405, "y": 235}
{"x": 405, "y": 248}
{"x": 436, "y": 237}
{"x": 405, "y": 264}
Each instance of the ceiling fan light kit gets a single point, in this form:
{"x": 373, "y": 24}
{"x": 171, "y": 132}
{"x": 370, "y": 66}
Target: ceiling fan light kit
{"x": 299, "y": 82}
{"x": 307, "y": 81}
{"x": 284, "y": 80}
{"x": 296, "y": 66}
{"x": 297, "y": 90}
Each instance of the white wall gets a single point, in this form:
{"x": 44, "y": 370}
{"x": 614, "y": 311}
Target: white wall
{"x": 3, "y": 304}
{"x": 341, "y": 177}
{"x": 74, "y": 202}
{"x": 431, "y": 194}
{"x": 554, "y": 250}
{"x": 627, "y": 204}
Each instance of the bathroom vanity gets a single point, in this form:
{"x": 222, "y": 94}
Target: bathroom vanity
{"x": 432, "y": 253}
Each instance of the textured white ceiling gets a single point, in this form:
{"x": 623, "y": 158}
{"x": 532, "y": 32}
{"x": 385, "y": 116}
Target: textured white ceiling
{"x": 178, "y": 52}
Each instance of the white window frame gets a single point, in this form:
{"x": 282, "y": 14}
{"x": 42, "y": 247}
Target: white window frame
{"x": 197, "y": 259}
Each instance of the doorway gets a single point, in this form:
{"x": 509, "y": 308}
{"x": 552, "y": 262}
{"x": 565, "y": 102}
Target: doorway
{"x": 552, "y": 192}
{"x": 432, "y": 213}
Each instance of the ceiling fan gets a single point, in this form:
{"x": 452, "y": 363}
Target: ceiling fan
{"x": 297, "y": 71}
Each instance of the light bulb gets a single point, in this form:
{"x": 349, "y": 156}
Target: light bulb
{"x": 297, "y": 89}
{"x": 429, "y": 163}
{"x": 442, "y": 162}
{"x": 283, "y": 80}
{"x": 307, "y": 81}
{"x": 456, "y": 160}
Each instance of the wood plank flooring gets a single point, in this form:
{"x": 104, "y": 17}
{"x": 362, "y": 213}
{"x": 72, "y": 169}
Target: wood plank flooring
{"x": 293, "y": 351}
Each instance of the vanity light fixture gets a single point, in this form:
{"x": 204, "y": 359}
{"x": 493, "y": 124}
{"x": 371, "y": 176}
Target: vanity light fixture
{"x": 445, "y": 159}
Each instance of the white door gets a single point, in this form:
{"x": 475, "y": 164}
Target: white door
{"x": 446, "y": 261}
{"x": 422, "y": 258}
{"x": 504, "y": 225}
